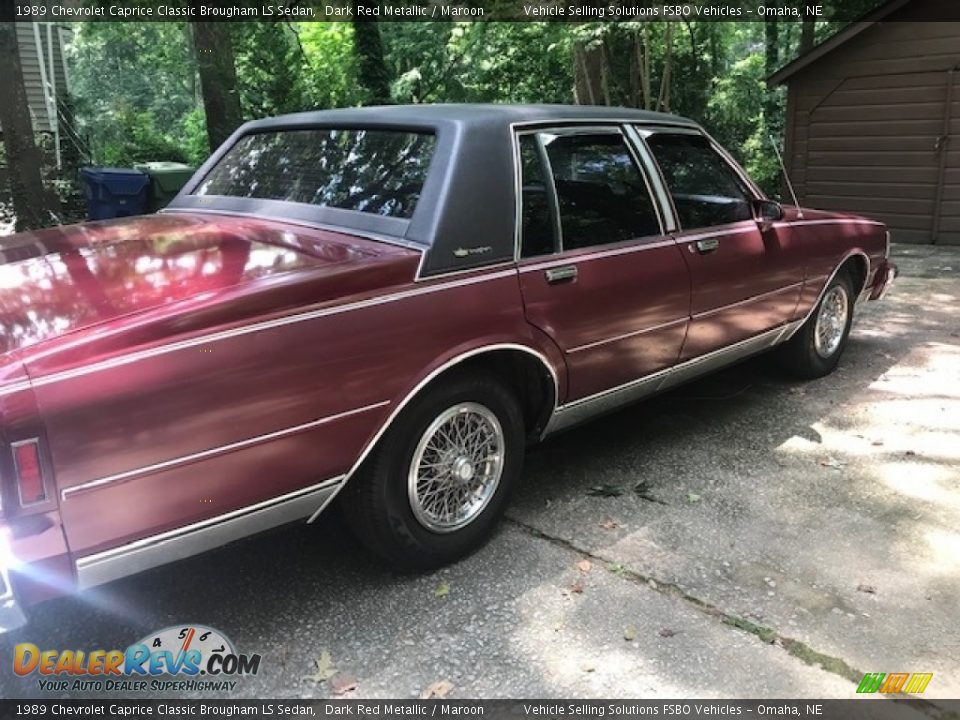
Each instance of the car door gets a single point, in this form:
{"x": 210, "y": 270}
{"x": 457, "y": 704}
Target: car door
{"x": 744, "y": 280}
{"x": 597, "y": 272}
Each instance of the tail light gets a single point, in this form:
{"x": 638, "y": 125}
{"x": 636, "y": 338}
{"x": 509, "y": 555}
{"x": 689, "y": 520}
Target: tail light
{"x": 29, "y": 472}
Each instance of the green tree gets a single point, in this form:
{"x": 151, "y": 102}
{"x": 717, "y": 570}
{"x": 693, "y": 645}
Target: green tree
{"x": 32, "y": 203}
{"x": 218, "y": 79}
{"x": 373, "y": 74}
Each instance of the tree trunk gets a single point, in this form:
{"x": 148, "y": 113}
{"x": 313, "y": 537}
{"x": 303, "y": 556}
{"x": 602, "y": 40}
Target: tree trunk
{"x": 807, "y": 28}
{"x": 645, "y": 69}
{"x": 368, "y": 48}
{"x": 587, "y": 74}
{"x": 218, "y": 80}
{"x": 772, "y": 45}
{"x": 32, "y": 204}
{"x": 663, "y": 102}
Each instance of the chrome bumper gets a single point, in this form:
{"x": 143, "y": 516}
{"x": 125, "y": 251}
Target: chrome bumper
{"x": 889, "y": 275}
{"x": 11, "y": 616}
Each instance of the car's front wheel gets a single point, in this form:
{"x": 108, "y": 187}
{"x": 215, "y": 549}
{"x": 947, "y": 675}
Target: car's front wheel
{"x": 816, "y": 348}
{"x": 441, "y": 476}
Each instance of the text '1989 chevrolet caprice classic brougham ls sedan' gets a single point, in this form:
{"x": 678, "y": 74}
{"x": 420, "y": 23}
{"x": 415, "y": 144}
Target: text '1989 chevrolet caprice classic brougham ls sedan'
{"x": 385, "y": 306}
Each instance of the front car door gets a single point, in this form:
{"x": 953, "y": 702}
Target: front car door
{"x": 744, "y": 278}
{"x": 597, "y": 272}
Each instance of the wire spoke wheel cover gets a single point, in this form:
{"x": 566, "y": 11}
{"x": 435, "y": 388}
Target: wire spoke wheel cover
{"x": 456, "y": 467}
{"x": 831, "y": 321}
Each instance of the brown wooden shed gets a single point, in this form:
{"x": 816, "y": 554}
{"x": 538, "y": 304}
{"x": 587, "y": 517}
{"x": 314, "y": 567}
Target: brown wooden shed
{"x": 873, "y": 121}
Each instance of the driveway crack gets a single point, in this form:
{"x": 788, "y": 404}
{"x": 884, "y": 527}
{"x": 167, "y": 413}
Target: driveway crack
{"x": 797, "y": 648}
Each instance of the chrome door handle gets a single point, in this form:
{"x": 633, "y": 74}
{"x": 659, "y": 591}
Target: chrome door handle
{"x": 561, "y": 274}
{"x": 707, "y": 245}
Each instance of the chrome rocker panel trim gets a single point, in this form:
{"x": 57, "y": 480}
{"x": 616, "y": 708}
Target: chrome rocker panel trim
{"x": 581, "y": 410}
{"x": 206, "y": 535}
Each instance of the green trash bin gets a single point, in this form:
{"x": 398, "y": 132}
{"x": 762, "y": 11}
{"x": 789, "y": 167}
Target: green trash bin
{"x": 166, "y": 179}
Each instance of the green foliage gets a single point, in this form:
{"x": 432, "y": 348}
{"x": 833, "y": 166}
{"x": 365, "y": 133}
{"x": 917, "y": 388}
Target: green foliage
{"x": 138, "y": 98}
{"x": 132, "y": 86}
{"x": 328, "y": 65}
{"x": 270, "y": 69}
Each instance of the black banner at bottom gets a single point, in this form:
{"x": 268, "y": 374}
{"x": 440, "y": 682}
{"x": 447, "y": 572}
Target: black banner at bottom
{"x": 894, "y": 709}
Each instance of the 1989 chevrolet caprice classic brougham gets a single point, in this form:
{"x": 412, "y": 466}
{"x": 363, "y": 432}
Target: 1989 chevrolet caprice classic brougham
{"x": 388, "y": 302}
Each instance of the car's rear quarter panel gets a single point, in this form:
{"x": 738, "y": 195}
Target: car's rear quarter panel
{"x": 367, "y": 352}
{"x": 32, "y": 535}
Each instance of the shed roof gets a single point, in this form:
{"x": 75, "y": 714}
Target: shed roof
{"x": 836, "y": 40}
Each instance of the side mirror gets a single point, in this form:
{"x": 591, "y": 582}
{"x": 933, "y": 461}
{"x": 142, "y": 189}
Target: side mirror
{"x": 767, "y": 212}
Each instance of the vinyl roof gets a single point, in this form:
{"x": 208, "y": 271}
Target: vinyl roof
{"x": 470, "y": 114}
{"x": 465, "y": 216}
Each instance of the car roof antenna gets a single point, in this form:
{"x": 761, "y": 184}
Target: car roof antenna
{"x": 783, "y": 169}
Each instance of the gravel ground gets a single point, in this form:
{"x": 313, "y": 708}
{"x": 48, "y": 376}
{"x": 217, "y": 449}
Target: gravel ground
{"x": 754, "y": 537}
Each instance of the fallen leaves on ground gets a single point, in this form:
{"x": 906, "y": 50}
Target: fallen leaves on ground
{"x": 440, "y": 689}
{"x": 323, "y": 668}
{"x": 584, "y": 566}
{"x": 832, "y": 463}
{"x": 643, "y": 490}
{"x": 443, "y": 589}
{"x": 629, "y": 633}
{"x": 343, "y": 683}
{"x": 605, "y": 491}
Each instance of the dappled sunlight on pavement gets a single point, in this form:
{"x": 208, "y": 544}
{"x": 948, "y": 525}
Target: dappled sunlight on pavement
{"x": 824, "y": 511}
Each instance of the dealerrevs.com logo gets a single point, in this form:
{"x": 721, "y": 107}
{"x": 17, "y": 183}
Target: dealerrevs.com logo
{"x": 180, "y": 658}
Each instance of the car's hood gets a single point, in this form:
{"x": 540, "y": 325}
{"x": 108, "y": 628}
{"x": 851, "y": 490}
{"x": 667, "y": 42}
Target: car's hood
{"x": 59, "y": 280}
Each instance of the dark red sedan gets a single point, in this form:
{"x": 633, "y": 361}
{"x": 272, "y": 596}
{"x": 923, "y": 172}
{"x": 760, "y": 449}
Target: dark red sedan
{"x": 386, "y": 306}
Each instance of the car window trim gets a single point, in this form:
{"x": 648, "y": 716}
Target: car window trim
{"x": 546, "y": 168}
{"x": 753, "y": 192}
{"x": 612, "y": 128}
{"x": 644, "y": 156}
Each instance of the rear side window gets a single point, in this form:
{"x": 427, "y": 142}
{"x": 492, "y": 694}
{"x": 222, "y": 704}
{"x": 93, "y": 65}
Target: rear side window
{"x": 598, "y": 192}
{"x": 372, "y": 171}
{"x": 537, "y": 220}
{"x": 705, "y": 189}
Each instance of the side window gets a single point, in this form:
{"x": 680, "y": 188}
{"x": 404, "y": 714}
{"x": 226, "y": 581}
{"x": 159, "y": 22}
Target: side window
{"x": 705, "y": 189}
{"x": 601, "y": 193}
{"x": 536, "y": 222}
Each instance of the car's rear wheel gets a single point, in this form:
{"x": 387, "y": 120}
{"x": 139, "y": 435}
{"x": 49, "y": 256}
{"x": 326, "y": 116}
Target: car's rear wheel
{"x": 815, "y": 350}
{"x": 440, "y": 477}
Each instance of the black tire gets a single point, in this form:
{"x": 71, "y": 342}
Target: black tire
{"x": 802, "y": 355}
{"x": 377, "y": 504}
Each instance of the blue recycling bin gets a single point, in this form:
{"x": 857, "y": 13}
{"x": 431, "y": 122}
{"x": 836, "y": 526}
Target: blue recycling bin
{"x": 115, "y": 192}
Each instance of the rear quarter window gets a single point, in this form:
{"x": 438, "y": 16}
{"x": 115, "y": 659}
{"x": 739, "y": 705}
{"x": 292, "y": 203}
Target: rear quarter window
{"x": 381, "y": 172}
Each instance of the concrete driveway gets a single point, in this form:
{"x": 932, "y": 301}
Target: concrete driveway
{"x": 746, "y": 535}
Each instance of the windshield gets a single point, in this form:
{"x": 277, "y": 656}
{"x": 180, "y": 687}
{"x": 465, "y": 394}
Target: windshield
{"x": 372, "y": 171}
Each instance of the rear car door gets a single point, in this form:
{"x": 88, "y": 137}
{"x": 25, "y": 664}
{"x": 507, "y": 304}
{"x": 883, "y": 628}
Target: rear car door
{"x": 744, "y": 280}
{"x": 597, "y": 272}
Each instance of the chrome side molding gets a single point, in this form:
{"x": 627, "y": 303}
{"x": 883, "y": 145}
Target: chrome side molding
{"x": 206, "y": 535}
{"x": 581, "y": 410}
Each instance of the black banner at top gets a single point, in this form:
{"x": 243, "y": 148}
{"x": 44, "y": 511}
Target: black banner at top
{"x": 576, "y": 11}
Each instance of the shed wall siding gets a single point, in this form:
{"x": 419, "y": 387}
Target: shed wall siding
{"x": 863, "y": 125}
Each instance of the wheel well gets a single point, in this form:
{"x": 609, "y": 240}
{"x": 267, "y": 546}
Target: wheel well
{"x": 525, "y": 375}
{"x": 856, "y": 267}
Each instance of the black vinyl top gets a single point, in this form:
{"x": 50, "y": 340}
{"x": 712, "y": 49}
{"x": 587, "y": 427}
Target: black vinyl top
{"x": 465, "y": 215}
